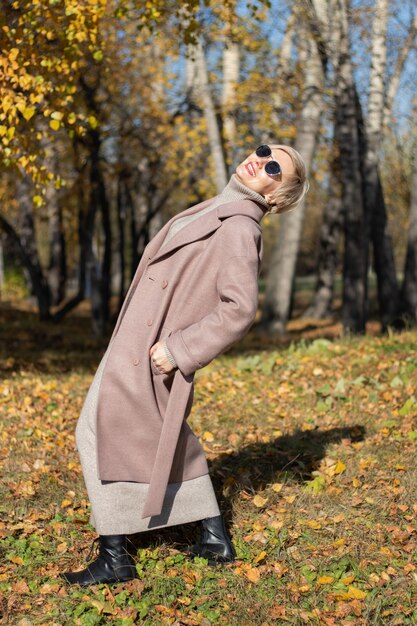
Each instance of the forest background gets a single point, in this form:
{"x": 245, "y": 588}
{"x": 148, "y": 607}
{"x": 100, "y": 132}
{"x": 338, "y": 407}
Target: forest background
{"x": 117, "y": 115}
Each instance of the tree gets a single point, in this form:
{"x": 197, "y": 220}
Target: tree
{"x": 281, "y": 273}
{"x": 409, "y": 286}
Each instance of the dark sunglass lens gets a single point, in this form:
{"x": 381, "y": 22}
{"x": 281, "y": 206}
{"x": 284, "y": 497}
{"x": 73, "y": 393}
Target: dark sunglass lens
{"x": 272, "y": 168}
{"x": 263, "y": 151}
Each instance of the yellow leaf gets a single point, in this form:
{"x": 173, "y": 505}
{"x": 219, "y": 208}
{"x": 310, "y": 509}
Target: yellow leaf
{"x": 16, "y": 559}
{"x": 259, "y": 501}
{"x": 340, "y": 467}
{"x": 347, "y": 580}
{"x": 253, "y": 575}
{"x": 261, "y": 556}
{"x": 37, "y": 201}
{"x": 13, "y": 53}
{"x": 358, "y": 594}
{"x": 208, "y": 436}
{"x": 289, "y": 499}
{"x": 277, "y": 524}
{"x": 57, "y": 115}
{"x": 93, "y": 121}
{"x": 54, "y": 124}
{"x": 28, "y": 113}
{"x": 277, "y": 487}
{"x": 65, "y": 503}
{"x": 325, "y": 580}
{"x": 339, "y": 542}
{"x": 72, "y": 118}
{"x": 313, "y": 524}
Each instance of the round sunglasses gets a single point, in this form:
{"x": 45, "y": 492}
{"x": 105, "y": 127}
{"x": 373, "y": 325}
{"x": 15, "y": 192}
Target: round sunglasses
{"x": 272, "y": 168}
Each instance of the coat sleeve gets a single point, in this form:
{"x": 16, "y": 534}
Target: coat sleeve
{"x": 196, "y": 345}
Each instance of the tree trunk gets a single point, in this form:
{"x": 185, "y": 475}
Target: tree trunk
{"x": 99, "y": 270}
{"x": 355, "y": 263}
{"x": 231, "y": 70}
{"x": 285, "y": 67}
{"x": 403, "y": 53}
{"x": 37, "y": 281}
{"x": 57, "y": 267}
{"x": 373, "y": 192}
{"x": 213, "y": 130}
{"x": 281, "y": 273}
{"x": 121, "y": 221}
{"x": 409, "y": 286}
{"x": 86, "y": 218}
{"x": 28, "y": 243}
{"x": 330, "y": 233}
{"x": 2, "y": 281}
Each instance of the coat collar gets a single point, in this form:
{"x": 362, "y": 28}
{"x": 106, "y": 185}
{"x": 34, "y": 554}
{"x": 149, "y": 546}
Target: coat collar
{"x": 204, "y": 226}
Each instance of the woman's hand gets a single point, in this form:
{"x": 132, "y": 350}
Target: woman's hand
{"x": 160, "y": 359}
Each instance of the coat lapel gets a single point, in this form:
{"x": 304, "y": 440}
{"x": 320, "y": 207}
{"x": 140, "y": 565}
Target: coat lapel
{"x": 206, "y": 224}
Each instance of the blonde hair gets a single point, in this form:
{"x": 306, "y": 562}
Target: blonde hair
{"x": 293, "y": 190}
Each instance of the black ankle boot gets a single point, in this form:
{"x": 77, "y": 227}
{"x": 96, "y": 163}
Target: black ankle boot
{"x": 114, "y": 563}
{"x": 214, "y": 543}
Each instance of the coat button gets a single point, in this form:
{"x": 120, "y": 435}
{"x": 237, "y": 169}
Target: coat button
{"x": 149, "y": 322}
{"x": 164, "y": 284}
{"x": 136, "y": 362}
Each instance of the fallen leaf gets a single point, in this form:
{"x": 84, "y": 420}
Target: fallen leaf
{"x": 325, "y": 580}
{"x": 259, "y": 501}
{"x": 253, "y": 575}
{"x": 20, "y": 587}
{"x": 261, "y": 557}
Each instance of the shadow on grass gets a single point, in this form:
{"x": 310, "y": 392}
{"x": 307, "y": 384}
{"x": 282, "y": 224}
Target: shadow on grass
{"x": 29, "y": 344}
{"x": 289, "y": 458}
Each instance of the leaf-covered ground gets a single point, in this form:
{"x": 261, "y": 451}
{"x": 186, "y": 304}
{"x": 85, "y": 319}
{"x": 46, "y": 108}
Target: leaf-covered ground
{"x": 312, "y": 450}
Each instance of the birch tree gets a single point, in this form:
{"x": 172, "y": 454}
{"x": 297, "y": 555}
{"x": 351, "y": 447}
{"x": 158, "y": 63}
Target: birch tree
{"x": 330, "y": 234}
{"x": 281, "y": 273}
{"x": 374, "y": 196}
{"x": 231, "y": 70}
{"x": 213, "y": 130}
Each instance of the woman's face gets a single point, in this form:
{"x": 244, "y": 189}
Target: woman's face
{"x": 251, "y": 172}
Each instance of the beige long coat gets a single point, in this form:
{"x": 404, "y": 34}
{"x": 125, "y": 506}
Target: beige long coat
{"x": 200, "y": 293}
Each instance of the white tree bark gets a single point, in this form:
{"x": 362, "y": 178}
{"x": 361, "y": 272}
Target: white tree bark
{"x": 284, "y": 63}
{"x": 213, "y": 131}
{"x": 377, "y": 75}
{"x": 403, "y": 53}
{"x": 231, "y": 72}
{"x": 384, "y": 263}
{"x": 281, "y": 273}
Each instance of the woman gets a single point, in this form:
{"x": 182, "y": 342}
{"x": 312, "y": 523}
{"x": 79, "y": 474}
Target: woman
{"x": 194, "y": 294}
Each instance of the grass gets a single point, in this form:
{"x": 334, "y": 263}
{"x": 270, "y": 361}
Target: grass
{"x": 311, "y": 447}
